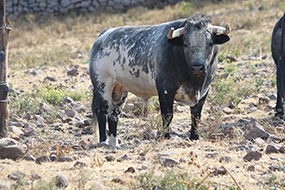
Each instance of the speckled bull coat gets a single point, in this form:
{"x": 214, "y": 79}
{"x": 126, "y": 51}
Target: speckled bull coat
{"x": 143, "y": 61}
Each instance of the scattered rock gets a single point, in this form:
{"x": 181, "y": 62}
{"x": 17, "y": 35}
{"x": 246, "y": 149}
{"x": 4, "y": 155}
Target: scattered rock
{"x": 16, "y": 176}
{"x": 110, "y": 158}
{"x": 80, "y": 164}
{"x": 15, "y": 130}
{"x": 275, "y": 168}
{"x": 227, "y": 110}
{"x": 168, "y": 162}
{"x": 29, "y": 158}
{"x": 83, "y": 144}
{"x": 53, "y": 157}
{"x": 166, "y": 153}
{"x": 153, "y": 134}
{"x": 61, "y": 181}
{"x": 50, "y": 79}
{"x": 29, "y": 131}
{"x": 70, "y": 113}
{"x": 41, "y": 159}
{"x": 256, "y": 132}
{"x": 182, "y": 160}
{"x": 272, "y": 148}
{"x": 264, "y": 100}
{"x": 212, "y": 155}
{"x": 252, "y": 155}
{"x": 44, "y": 108}
{"x": 65, "y": 159}
{"x": 117, "y": 180}
{"x": 275, "y": 158}
{"x": 251, "y": 168}
{"x": 258, "y": 141}
{"x": 220, "y": 171}
{"x": 67, "y": 100}
{"x": 126, "y": 157}
{"x": 11, "y": 149}
{"x": 73, "y": 72}
{"x": 226, "y": 159}
{"x": 130, "y": 169}
{"x": 282, "y": 149}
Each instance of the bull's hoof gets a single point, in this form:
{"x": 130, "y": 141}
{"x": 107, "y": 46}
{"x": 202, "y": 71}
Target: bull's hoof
{"x": 167, "y": 135}
{"x": 280, "y": 115}
{"x": 194, "y": 137}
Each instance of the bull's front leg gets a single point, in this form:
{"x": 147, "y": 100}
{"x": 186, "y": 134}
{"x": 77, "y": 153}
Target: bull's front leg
{"x": 166, "y": 99}
{"x": 195, "y": 117}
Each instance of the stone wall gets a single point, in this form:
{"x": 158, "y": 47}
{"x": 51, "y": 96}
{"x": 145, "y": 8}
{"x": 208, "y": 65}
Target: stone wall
{"x": 14, "y": 8}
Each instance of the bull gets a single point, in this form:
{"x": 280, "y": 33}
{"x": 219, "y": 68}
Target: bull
{"x": 277, "y": 50}
{"x": 174, "y": 60}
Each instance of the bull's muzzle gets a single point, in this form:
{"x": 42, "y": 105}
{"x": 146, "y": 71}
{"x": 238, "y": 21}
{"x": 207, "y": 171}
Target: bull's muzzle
{"x": 198, "y": 70}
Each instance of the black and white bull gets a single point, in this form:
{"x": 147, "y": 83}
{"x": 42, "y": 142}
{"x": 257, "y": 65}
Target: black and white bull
{"x": 277, "y": 49}
{"x": 154, "y": 60}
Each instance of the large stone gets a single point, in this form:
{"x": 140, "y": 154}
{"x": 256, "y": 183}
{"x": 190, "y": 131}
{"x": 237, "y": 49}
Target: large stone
{"x": 252, "y": 155}
{"x": 11, "y": 149}
{"x": 272, "y": 148}
{"x": 61, "y": 181}
{"x": 41, "y": 159}
{"x": 255, "y": 132}
{"x": 65, "y": 3}
{"x": 15, "y": 130}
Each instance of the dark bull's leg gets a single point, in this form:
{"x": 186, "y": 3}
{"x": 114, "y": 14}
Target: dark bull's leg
{"x": 195, "y": 117}
{"x": 279, "y": 106}
{"x": 166, "y": 99}
{"x": 100, "y": 109}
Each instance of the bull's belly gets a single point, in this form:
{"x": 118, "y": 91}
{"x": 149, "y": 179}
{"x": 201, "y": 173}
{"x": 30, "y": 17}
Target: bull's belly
{"x": 140, "y": 87}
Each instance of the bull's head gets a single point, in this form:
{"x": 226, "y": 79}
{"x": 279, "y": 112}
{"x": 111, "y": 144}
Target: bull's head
{"x": 197, "y": 39}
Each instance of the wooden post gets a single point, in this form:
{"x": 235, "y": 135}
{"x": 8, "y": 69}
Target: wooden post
{"x": 4, "y": 37}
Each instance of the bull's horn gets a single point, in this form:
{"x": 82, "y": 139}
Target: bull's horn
{"x": 222, "y": 30}
{"x": 175, "y": 33}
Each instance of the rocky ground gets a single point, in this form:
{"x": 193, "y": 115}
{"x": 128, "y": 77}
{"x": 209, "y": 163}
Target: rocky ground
{"x": 246, "y": 151}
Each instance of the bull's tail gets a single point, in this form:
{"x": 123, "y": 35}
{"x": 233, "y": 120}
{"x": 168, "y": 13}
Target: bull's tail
{"x": 95, "y": 127}
{"x": 281, "y": 63}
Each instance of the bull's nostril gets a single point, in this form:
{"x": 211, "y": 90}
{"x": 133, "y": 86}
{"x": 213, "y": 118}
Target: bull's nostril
{"x": 198, "y": 70}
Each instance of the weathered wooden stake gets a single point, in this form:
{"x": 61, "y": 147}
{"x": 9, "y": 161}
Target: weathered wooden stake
{"x": 4, "y": 37}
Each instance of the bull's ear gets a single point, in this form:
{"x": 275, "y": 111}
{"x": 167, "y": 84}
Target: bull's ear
{"x": 175, "y": 41}
{"x": 220, "y": 39}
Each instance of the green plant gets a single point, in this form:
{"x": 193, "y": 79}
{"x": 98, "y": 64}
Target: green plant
{"x": 54, "y": 94}
{"x": 170, "y": 180}
{"x": 44, "y": 185}
{"x": 185, "y": 8}
{"x": 24, "y": 104}
{"x": 258, "y": 83}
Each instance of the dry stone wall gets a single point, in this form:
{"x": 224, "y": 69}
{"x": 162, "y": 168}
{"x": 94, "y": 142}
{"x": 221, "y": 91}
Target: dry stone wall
{"x": 14, "y": 8}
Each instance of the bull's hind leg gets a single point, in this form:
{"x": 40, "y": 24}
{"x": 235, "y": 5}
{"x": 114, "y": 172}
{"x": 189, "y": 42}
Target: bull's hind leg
{"x": 100, "y": 108}
{"x": 119, "y": 97}
{"x": 279, "y": 107}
